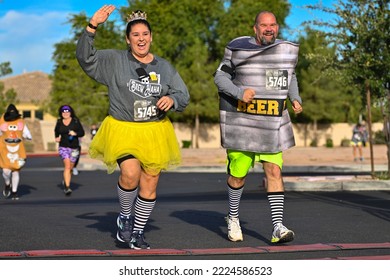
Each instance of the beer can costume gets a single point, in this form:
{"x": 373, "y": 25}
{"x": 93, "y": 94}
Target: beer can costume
{"x": 264, "y": 125}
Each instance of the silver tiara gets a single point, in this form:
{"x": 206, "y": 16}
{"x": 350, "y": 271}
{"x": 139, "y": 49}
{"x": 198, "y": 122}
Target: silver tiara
{"x": 136, "y": 16}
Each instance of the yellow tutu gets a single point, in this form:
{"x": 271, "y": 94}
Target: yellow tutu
{"x": 154, "y": 144}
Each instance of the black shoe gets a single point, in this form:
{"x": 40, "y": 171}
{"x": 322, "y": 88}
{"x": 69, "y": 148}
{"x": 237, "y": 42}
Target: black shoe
{"x": 14, "y": 196}
{"x": 7, "y": 191}
{"x": 137, "y": 241}
{"x": 67, "y": 191}
{"x": 125, "y": 228}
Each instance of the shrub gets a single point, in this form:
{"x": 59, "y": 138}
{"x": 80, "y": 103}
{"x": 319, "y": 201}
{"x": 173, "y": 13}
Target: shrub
{"x": 186, "y": 144}
{"x": 329, "y": 143}
{"x": 345, "y": 142}
{"x": 314, "y": 143}
{"x": 379, "y": 137}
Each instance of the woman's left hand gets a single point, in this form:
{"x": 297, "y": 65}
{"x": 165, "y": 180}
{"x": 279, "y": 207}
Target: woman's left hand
{"x": 102, "y": 14}
{"x": 165, "y": 103}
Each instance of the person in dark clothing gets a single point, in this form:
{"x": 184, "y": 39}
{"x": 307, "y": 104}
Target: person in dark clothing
{"x": 67, "y": 132}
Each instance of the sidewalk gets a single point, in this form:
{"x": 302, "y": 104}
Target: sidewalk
{"x": 311, "y": 161}
{"x": 297, "y": 156}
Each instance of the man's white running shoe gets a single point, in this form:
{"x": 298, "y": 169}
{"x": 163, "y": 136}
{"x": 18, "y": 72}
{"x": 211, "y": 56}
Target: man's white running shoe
{"x": 281, "y": 234}
{"x": 75, "y": 171}
{"x": 234, "y": 229}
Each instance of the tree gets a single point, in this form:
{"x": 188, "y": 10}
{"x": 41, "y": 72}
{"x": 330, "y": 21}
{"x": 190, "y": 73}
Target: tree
{"x": 239, "y": 18}
{"x": 6, "y": 98}
{"x": 5, "y": 68}
{"x": 184, "y": 42}
{"x": 204, "y": 100}
{"x": 325, "y": 96}
{"x": 360, "y": 32}
{"x": 184, "y": 34}
{"x": 9, "y": 96}
{"x": 191, "y": 35}
{"x": 70, "y": 84}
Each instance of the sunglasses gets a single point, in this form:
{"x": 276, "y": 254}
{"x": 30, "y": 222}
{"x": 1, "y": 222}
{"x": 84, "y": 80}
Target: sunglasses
{"x": 65, "y": 111}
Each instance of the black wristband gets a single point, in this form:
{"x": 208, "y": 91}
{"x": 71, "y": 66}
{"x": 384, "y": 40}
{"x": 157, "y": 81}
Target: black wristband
{"x": 92, "y": 26}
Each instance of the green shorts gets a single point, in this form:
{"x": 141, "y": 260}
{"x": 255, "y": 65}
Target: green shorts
{"x": 356, "y": 144}
{"x": 239, "y": 162}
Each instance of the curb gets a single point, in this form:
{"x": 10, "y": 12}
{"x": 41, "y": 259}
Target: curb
{"x": 200, "y": 252}
{"x": 331, "y": 186}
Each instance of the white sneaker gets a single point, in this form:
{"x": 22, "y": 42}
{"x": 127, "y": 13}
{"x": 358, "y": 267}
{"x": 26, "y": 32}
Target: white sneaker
{"x": 75, "y": 171}
{"x": 234, "y": 229}
{"x": 281, "y": 234}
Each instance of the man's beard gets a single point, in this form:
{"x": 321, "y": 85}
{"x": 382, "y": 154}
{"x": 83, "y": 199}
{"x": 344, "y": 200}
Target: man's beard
{"x": 264, "y": 41}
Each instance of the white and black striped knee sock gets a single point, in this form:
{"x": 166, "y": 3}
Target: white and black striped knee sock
{"x": 143, "y": 209}
{"x": 234, "y": 200}
{"x": 126, "y": 200}
{"x": 276, "y": 201}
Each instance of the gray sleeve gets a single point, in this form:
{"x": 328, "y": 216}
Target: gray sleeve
{"x": 87, "y": 56}
{"x": 293, "y": 92}
{"x": 223, "y": 80}
{"x": 179, "y": 93}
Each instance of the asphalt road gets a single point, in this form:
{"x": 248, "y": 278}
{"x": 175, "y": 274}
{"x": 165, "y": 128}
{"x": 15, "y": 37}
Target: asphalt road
{"x": 188, "y": 220}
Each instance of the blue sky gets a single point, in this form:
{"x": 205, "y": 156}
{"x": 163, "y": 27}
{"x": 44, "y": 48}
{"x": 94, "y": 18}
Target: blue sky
{"x": 30, "y": 28}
